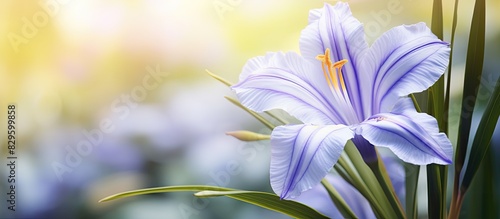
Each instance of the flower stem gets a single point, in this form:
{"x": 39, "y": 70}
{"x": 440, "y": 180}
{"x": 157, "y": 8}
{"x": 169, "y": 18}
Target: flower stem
{"x": 372, "y": 183}
{"x": 342, "y": 173}
{"x": 219, "y": 78}
{"x": 361, "y": 186}
{"x": 344, "y": 209}
{"x": 417, "y": 107}
{"x": 456, "y": 205}
{"x": 411, "y": 182}
{"x": 380, "y": 172}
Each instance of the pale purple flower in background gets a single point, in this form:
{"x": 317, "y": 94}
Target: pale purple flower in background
{"x": 361, "y": 96}
{"x": 319, "y": 199}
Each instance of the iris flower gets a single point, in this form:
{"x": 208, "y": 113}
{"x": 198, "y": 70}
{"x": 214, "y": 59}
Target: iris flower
{"x": 341, "y": 89}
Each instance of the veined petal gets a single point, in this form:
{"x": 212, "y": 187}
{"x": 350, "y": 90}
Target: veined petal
{"x": 287, "y": 81}
{"x": 255, "y": 64}
{"x": 303, "y": 154}
{"x": 413, "y": 137}
{"x": 335, "y": 28}
{"x": 314, "y": 14}
{"x": 404, "y": 60}
{"x": 319, "y": 199}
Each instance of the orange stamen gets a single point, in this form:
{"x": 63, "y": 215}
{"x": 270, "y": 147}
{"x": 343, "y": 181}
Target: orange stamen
{"x": 334, "y": 76}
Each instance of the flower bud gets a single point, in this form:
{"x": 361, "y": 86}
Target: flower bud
{"x": 248, "y": 135}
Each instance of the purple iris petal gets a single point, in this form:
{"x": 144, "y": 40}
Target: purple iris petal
{"x": 335, "y": 28}
{"x": 365, "y": 148}
{"x": 406, "y": 59}
{"x": 413, "y": 137}
{"x": 286, "y": 81}
{"x": 303, "y": 154}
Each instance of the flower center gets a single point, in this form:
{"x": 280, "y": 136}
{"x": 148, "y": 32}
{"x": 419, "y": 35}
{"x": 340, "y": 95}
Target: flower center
{"x": 335, "y": 80}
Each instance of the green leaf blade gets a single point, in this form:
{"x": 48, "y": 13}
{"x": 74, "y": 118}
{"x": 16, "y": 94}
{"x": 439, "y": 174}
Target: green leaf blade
{"x": 436, "y": 209}
{"x": 269, "y": 201}
{"x": 481, "y": 141}
{"x": 337, "y": 199}
{"x": 473, "y": 72}
{"x": 411, "y": 183}
{"x": 184, "y": 188}
{"x": 262, "y": 199}
{"x": 448, "y": 79}
{"x": 436, "y": 177}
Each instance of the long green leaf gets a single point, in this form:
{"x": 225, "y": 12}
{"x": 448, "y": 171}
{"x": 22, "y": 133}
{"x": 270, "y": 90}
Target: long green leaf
{"x": 362, "y": 187}
{"x": 269, "y": 201}
{"x": 436, "y": 174}
{"x": 473, "y": 72}
{"x": 436, "y": 93}
{"x": 337, "y": 199}
{"x": 262, "y": 199}
{"x": 481, "y": 201}
{"x": 435, "y": 192}
{"x": 411, "y": 182}
{"x": 229, "y": 84}
{"x": 434, "y": 182}
{"x": 452, "y": 45}
{"x": 184, "y": 188}
{"x": 448, "y": 86}
{"x": 482, "y": 139}
{"x": 380, "y": 172}
{"x": 343, "y": 173}
{"x": 219, "y": 78}
{"x": 373, "y": 185}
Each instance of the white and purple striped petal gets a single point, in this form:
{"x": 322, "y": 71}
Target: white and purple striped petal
{"x": 303, "y": 154}
{"x": 413, "y": 137}
{"x": 287, "y": 81}
{"x": 404, "y": 60}
{"x": 335, "y": 28}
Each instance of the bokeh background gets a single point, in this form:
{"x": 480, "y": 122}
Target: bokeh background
{"x": 139, "y": 67}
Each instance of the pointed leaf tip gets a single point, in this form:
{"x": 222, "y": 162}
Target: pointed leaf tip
{"x": 216, "y": 77}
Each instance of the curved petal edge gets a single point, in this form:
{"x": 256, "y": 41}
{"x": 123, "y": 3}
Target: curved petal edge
{"x": 303, "y": 154}
{"x": 414, "y": 137}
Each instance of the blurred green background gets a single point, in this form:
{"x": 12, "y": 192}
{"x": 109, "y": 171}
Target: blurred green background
{"x": 70, "y": 66}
